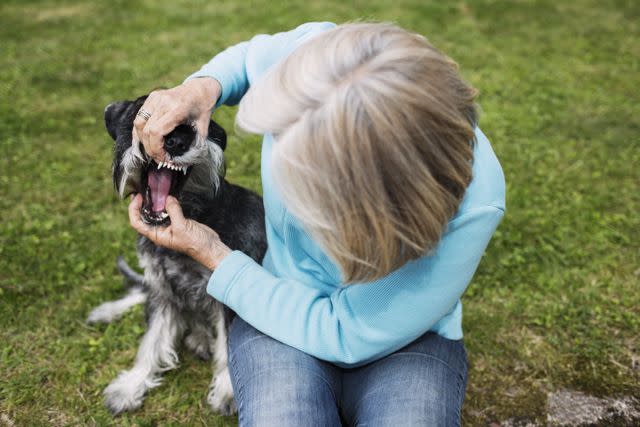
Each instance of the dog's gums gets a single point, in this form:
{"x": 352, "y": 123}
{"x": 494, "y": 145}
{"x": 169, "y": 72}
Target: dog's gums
{"x": 160, "y": 180}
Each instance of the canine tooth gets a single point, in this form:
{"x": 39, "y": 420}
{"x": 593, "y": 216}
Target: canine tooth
{"x": 184, "y": 170}
{"x": 164, "y": 215}
{"x": 159, "y": 165}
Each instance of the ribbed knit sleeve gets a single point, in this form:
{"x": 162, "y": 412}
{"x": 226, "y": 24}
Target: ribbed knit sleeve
{"x": 236, "y": 67}
{"x": 362, "y": 322}
{"x": 228, "y": 68}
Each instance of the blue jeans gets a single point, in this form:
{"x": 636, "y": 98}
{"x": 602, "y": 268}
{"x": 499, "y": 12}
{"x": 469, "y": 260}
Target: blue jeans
{"x": 422, "y": 384}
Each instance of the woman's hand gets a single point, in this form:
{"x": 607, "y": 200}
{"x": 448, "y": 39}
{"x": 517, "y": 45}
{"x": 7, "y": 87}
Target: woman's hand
{"x": 183, "y": 235}
{"x": 192, "y": 101}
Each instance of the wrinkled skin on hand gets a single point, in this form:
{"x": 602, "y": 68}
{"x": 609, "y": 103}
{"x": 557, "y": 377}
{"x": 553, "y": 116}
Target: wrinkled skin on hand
{"x": 191, "y": 102}
{"x": 183, "y": 235}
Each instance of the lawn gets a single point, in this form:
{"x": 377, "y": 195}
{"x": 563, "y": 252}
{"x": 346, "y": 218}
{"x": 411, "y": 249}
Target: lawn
{"x": 554, "y": 305}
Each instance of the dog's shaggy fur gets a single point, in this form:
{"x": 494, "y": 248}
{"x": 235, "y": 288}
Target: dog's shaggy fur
{"x": 173, "y": 286}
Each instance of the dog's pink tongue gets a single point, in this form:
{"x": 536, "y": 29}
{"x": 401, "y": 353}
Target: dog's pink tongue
{"x": 159, "y": 182}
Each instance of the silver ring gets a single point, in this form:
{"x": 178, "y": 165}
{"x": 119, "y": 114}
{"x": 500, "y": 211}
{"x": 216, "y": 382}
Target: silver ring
{"x": 144, "y": 114}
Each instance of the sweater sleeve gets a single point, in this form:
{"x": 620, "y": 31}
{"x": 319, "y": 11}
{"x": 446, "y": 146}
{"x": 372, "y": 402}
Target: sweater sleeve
{"x": 236, "y": 67}
{"x": 360, "y": 322}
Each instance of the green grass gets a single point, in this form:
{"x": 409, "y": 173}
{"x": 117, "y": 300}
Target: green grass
{"x": 554, "y": 304}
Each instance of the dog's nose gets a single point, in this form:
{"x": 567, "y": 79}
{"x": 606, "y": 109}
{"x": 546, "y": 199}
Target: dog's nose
{"x": 178, "y": 141}
{"x": 175, "y": 146}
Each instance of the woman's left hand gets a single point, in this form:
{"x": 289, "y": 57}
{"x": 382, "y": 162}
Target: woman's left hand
{"x": 183, "y": 235}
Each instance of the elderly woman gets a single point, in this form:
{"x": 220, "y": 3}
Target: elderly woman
{"x": 381, "y": 195}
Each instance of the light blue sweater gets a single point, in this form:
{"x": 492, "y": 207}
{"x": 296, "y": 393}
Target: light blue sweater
{"x": 297, "y": 296}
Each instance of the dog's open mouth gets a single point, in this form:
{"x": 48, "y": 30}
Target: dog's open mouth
{"x": 159, "y": 181}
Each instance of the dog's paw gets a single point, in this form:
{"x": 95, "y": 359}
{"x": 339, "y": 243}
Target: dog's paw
{"x": 199, "y": 345}
{"x": 104, "y": 313}
{"x": 126, "y": 392}
{"x": 220, "y": 396}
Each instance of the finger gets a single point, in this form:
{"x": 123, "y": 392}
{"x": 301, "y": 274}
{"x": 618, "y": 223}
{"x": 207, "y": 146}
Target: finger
{"x": 156, "y": 129}
{"x": 152, "y": 137}
{"x": 139, "y": 123}
{"x": 134, "y": 216}
{"x": 202, "y": 125}
{"x": 149, "y": 106}
{"x": 174, "y": 210}
{"x": 157, "y": 105}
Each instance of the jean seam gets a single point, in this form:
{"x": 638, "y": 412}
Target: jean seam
{"x": 250, "y": 340}
{"x": 416, "y": 353}
{"x": 461, "y": 384}
{"x": 458, "y": 406}
{"x": 240, "y": 393}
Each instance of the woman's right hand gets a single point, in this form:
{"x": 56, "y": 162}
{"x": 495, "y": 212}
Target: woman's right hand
{"x": 192, "y": 101}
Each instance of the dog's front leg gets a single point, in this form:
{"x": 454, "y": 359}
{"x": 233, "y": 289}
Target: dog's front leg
{"x": 155, "y": 355}
{"x": 220, "y": 396}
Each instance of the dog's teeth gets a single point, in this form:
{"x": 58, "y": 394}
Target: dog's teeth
{"x": 164, "y": 215}
{"x": 159, "y": 165}
{"x": 184, "y": 170}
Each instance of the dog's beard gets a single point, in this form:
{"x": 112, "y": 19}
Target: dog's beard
{"x": 196, "y": 171}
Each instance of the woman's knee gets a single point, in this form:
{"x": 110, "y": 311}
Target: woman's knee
{"x": 422, "y": 401}
{"x": 422, "y": 384}
{"x": 275, "y": 384}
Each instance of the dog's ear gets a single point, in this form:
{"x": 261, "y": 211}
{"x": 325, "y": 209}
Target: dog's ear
{"x": 217, "y": 134}
{"x": 113, "y": 115}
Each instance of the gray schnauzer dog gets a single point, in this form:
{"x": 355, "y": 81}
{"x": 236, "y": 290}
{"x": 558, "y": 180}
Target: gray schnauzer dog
{"x": 173, "y": 286}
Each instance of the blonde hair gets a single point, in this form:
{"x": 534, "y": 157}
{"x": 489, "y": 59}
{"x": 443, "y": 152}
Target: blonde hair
{"x": 374, "y": 134}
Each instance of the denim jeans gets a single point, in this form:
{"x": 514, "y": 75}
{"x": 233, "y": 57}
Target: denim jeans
{"x": 422, "y": 384}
